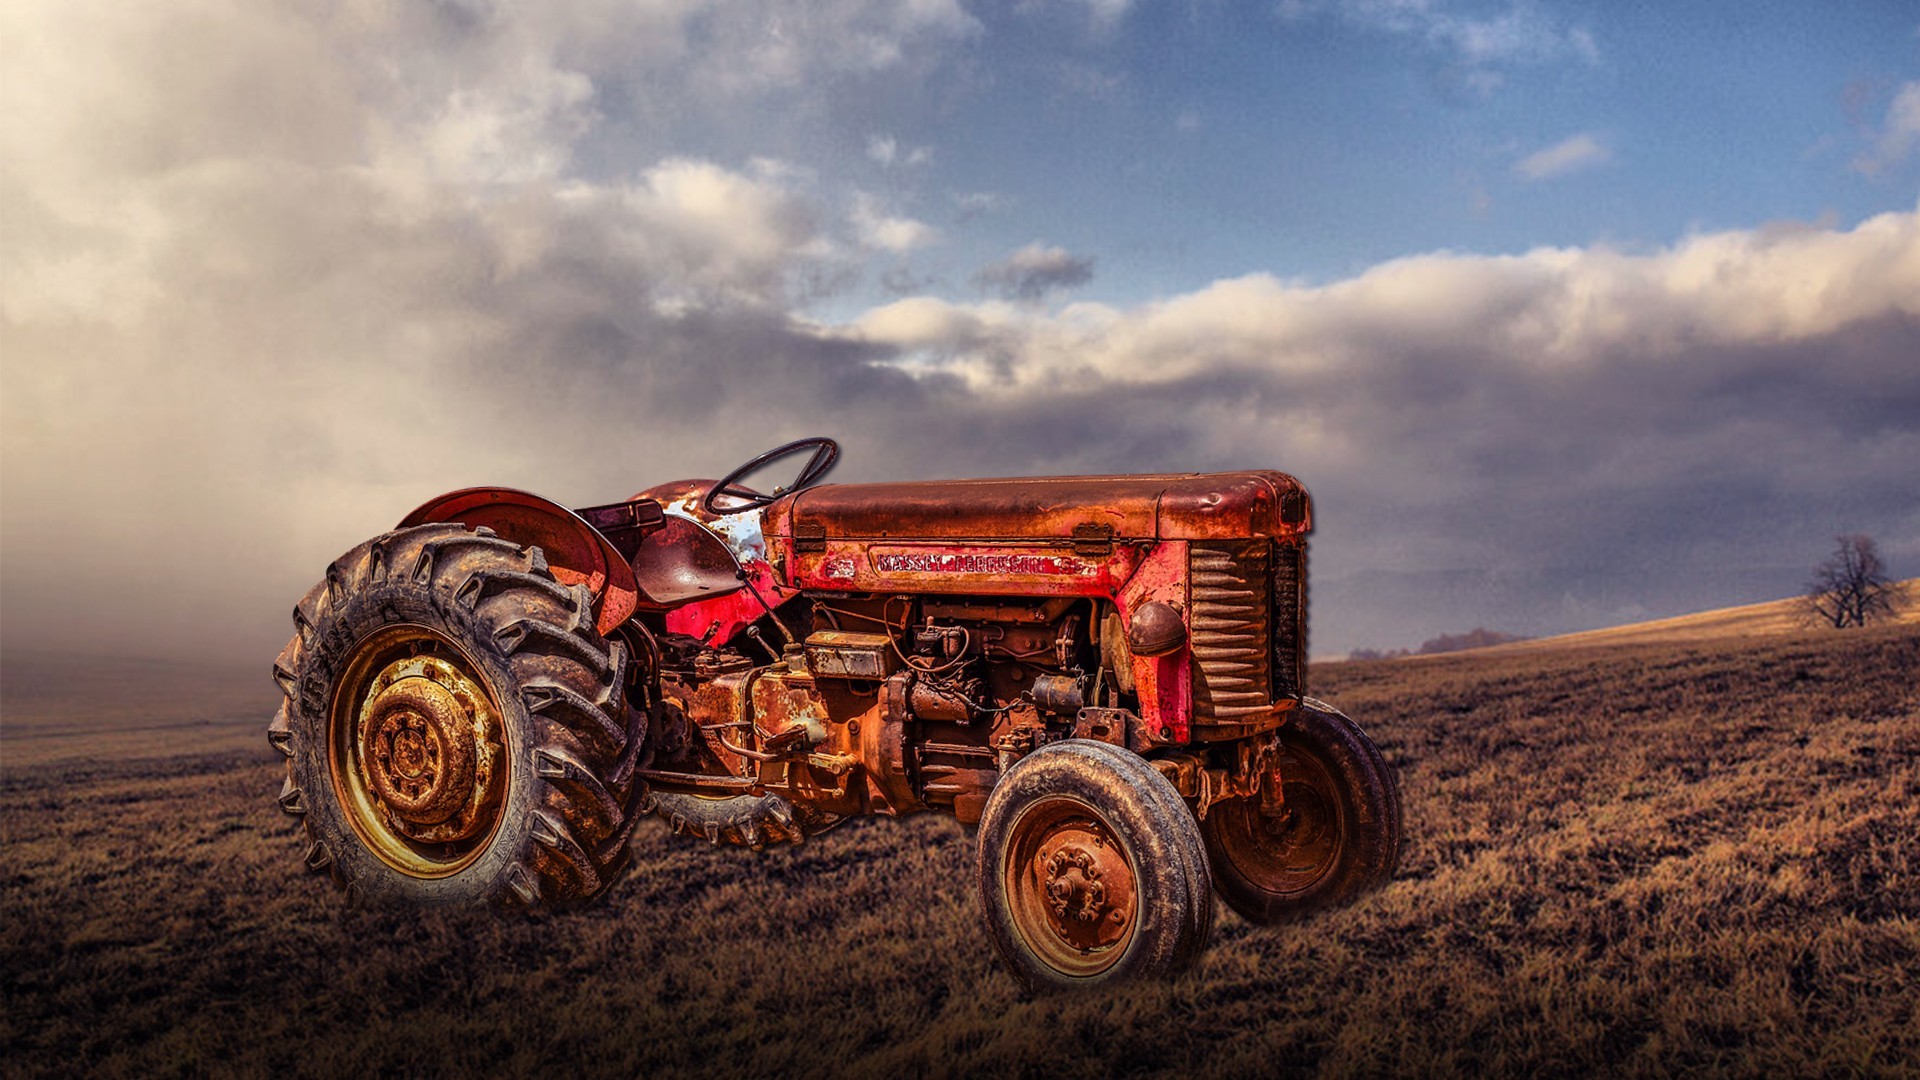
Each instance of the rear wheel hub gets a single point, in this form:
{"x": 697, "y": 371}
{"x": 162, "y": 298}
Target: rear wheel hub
{"x": 420, "y": 747}
{"x": 419, "y": 752}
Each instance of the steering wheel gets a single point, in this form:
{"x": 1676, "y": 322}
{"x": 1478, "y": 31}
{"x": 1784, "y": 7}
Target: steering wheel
{"x": 826, "y": 453}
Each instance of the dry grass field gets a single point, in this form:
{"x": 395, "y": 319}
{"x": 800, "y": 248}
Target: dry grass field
{"x": 1693, "y": 857}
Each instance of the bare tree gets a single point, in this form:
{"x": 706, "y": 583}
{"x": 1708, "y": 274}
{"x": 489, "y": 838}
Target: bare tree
{"x": 1851, "y": 588}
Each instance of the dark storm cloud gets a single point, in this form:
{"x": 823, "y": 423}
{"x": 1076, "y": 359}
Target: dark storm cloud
{"x": 1538, "y": 443}
{"x": 1035, "y": 271}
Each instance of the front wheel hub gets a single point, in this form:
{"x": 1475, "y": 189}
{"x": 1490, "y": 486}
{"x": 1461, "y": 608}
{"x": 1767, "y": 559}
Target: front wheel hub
{"x": 1072, "y": 887}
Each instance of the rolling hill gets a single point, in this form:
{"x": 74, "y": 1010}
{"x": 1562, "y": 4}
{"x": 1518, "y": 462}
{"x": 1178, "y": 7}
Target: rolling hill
{"x": 1773, "y": 618}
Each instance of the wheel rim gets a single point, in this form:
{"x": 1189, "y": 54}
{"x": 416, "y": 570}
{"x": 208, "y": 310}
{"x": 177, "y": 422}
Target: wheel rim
{"x": 1289, "y": 853}
{"x": 418, "y": 751}
{"x": 1071, "y": 885}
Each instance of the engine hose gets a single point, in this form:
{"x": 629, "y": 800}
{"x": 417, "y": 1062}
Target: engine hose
{"x": 748, "y": 820}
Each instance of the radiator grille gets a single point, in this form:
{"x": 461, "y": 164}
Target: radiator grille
{"x": 1289, "y": 620}
{"x": 1229, "y": 629}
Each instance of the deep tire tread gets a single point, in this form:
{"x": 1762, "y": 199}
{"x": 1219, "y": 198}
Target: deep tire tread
{"x": 748, "y": 820}
{"x": 569, "y": 708}
{"x": 553, "y": 835}
{"x": 563, "y": 684}
{"x": 550, "y": 639}
{"x": 482, "y": 584}
{"x": 563, "y": 768}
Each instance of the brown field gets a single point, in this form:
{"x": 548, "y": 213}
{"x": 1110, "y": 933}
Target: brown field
{"x": 1673, "y": 858}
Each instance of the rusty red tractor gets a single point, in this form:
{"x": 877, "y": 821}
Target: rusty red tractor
{"x": 1105, "y": 675}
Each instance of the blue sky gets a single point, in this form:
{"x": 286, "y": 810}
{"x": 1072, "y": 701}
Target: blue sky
{"x": 1175, "y": 144}
{"x": 1568, "y": 314}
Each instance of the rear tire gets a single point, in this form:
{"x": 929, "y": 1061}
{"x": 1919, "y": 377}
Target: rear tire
{"x": 457, "y": 731}
{"x": 1091, "y": 870}
{"x": 1338, "y": 838}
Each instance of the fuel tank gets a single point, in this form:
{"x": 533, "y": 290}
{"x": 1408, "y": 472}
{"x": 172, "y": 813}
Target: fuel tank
{"x": 1185, "y": 506}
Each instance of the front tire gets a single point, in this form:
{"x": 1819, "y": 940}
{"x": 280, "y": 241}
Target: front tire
{"x": 1091, "y": 870}
{"x": 1338, "y": 833}
{"x": 457, "y": 731}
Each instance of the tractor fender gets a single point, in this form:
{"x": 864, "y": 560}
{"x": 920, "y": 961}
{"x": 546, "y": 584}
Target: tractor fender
{"x": 576, "y": 552}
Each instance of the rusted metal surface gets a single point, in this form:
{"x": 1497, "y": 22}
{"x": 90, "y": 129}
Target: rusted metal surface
{"x": 1017, "y": 509}
{"x": 850, "y": 654}
{"x": 886, "y": 649}
{"x": 789, "y": 718}
{"x": 978, "y": 569}
{"x": 575, "y": 551}
{"x": 1227, "y": 506}
{"x": 757, "y": 585}
{"x": 681, "y": 562}
{"x": 719, "y": 619}
{"x": 1068, "y": 877}
{"x": 624, "y": 524}
{"x": 420, "y": 761}
{"x": 1289, "y": 837}
{"x": 740, "y": 532}
{"x": 1289, "y": 619}
{"x": 1169, "y": 507}
{"x": 1251, "y": 773}
{"x": 1195, "y": 608}
{"x": 1160, "y": 681}
{"x": 1156, "y": 629}
{"x": 715, "y": 706}
{"x": 1231, "y": 636}
{"x": 885, "y": 745}
{"x": 419, "y": 748}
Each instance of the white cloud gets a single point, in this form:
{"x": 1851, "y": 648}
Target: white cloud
{"x": 1105, "y": 14}
{"x": 1899, "y": 135}
{"x": 271, "y": 272}
{"x": 878, "y": 229}
{"x": 707, "y": 228}
{"x": 1572, "y": 154}
{"x": 972, "y": 204}
{"x": 1520, "y": 34}
{"x": 887, "y": 151}
{"x": 524, "y": 134}
{"x": 1549, "y": 309}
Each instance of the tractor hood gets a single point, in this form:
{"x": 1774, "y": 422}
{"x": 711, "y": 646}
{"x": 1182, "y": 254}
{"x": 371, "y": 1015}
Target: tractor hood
{"x": 1189, "y": 506}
